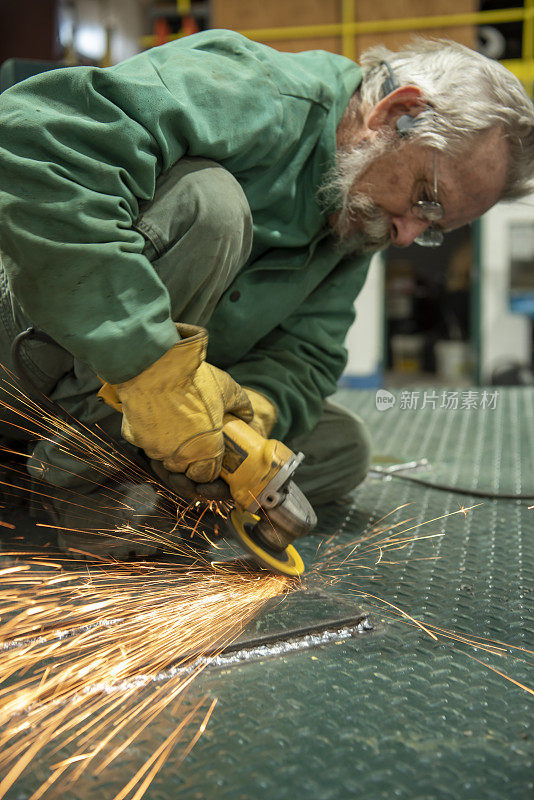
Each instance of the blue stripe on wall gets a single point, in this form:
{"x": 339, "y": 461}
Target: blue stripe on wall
{"x": 374, "y": 380}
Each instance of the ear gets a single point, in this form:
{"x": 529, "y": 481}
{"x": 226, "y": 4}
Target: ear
{"x": 408, "y": 100}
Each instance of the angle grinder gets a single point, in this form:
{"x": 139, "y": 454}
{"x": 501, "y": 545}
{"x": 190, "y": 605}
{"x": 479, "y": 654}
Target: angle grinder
{"x": 271, "y": 511}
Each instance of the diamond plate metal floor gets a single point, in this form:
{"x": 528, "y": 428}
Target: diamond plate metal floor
{"x": 389, "y": 713}
{"x": 474, "y": 439}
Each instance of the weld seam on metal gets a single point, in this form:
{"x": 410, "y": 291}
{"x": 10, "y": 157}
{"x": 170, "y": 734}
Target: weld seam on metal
{"x": 243, "y": 656}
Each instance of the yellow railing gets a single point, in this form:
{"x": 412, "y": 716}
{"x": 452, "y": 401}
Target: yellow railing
{"x": 348, "y": 28}
{"x": 527, "y": 51}
{"x": 389, "y": 25}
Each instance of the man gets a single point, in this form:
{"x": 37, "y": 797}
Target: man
{"x": 214, "y": 183}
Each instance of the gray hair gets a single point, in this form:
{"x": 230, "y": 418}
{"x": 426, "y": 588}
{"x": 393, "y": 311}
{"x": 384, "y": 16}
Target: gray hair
{"x": 468, "y": 94}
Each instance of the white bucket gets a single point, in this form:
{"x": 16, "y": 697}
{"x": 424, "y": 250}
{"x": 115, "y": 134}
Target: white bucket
{"x": 453, "y": 360}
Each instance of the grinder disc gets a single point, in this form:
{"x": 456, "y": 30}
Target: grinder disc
{"x": 287, "y": 562}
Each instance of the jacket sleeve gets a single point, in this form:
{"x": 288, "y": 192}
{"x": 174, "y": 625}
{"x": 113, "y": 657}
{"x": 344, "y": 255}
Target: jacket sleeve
{"x": 79, "y": 148}
{"x": 299, "y": 363}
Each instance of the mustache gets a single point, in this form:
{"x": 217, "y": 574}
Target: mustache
{"x": 373, "y": 225}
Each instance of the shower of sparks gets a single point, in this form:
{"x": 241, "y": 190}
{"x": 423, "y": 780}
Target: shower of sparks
{"x": 93, "y": 653}
{"x": 82, "y": 652}
{"x": 83, "y": 643}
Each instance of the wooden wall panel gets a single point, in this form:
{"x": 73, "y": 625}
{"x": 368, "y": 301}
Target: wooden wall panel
{"x": 248, "y": 14}
{"x": 385, "y": 9}
{"x": 245, "y": 14}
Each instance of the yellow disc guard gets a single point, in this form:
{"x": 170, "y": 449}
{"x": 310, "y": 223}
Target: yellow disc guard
{"x": 287, "y": 562}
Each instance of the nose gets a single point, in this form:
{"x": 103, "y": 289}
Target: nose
{"x": 405, "y": 229}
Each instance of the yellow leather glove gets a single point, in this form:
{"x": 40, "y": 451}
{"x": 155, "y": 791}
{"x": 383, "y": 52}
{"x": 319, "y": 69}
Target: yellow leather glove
{"x": 174, "y": 409}
{"x": 264, "y": 418}
{"x": 265, "y": 412}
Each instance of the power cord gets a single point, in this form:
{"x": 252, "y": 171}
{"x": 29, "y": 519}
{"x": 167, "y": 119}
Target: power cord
{"x": 396, "y": 471}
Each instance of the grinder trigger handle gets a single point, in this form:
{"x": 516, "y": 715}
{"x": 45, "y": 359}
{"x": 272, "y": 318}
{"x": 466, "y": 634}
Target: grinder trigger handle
{"x": 250, "y": 462}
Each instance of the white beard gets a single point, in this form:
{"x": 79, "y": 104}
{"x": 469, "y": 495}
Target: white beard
{"x": 352, "y": 206}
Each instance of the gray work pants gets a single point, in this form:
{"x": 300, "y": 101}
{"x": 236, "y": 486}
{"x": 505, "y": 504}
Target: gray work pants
{"x": 198, "y": 235}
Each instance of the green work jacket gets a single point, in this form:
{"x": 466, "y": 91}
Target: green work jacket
{"x": 80, "y": 148}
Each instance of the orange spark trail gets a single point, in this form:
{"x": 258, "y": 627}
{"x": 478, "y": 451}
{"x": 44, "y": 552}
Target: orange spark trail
{"x": 338, "y": 562}
{"x": 80, "y": 653}
{"x": 81, "y": 650}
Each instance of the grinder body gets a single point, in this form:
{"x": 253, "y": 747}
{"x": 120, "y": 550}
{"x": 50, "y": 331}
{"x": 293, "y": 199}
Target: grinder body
{"x": 271, "y": 511}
